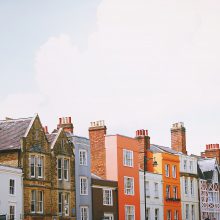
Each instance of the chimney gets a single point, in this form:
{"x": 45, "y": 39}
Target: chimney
{"x": 66, "y": 124}
{"x": 143, "y": 144}
{"x": 178, "y": 137}
{"x": 212, "y": 151}
{"x": 46, "y": 130}
{"x": 97, "y": 132}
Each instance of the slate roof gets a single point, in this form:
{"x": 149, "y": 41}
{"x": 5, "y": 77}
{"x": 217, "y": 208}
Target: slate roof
{"x": 11, "y": 132}
{"x": 160, "y": 149}
{"x": 51, "y": 137}
{"x": 80, "y": 141}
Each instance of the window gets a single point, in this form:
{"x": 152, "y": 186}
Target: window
{"x": 32, "y": 166}
{"x": 83, "y": 157}
{"x": 84, "y": 213}
{"x": 174, "y": 171}
{"x": 215, "y": 177}
{"x": 186, "y": 185}
{"x": 40, "y": 201}
{"x": 83, "y": 186}
{"x": 191, "y": 187}
{"x": 129, "y": 185}
{"x": 11, "y": 212}
{"x": 40, "y": 167}
{"x": 108, "y": 216}
{"x": 167, "y": 171}
{"x": 156, "y": 191}
{"x": 60, "y": 203}
{"x": 187, "y": 211}
{"x": 156, "y": 214}
{"x": 36, "y": 166}
{"x": 66, "y": 204}
{"x": 148, "y": 214}
{"x": 193, "y": 212}
{"x": 185, "y": 165}
{"x": 167, "y": 191}
{"x": 176, "y": 215}
{"x": 191, "y": 166}
{"x": 175, "y": 195}
{"x": 11, "y": 187}
{"x": 66, "y": 169}
{"x": 33, "y": 201}
{"x": 129, "y": 212}
{"x": 107, "y": 197}
{"x": 62, "y": 143}
{"x": 37, "y": 201}
{"x": 59, "y": 161}
{"x": 147, "y": 188}
{"x": 169, "y": 215}
{"x": 128, "y": 158}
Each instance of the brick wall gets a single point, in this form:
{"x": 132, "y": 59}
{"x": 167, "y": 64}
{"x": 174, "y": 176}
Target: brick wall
{"x": 98, "y": 154}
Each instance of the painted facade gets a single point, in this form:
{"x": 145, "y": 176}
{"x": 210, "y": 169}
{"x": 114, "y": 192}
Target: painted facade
{"x": 154, "y": 196}
{"x": 104, "y": 199}
{"x": 119, "y": 162}
{"x": 189, "y": 187}
{"x": 11, "y": 192}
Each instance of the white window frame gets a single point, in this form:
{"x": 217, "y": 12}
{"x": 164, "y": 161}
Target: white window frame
{"x": 167, "y": 170}
{"x": 129, "y": 215}
{"x": 33, "y": 200}
{"x": 156, "y": 214}
{"x": 187, "y": 212}
{"x": 147, "y": 188}
{"x": 185, "y": 165}
{"x": 83, "y": 157}
{"x": 60, "y": 203}
{"x": 167, "y": 191}
{"x": 128, "y": 161}
{"x": 67, "y": 204}
{"x": 66, "y": 168}
{"x": 82, "y": 213}
{"x": 192, "y": 191}
{"x": 147, "y": 213}
{"x": 128, "y": 190}
{"x": 12, "y": 187}
{"x": 174, "y": 171}
{"x": 191, "y": 166}
{"x": 32, "y": 166}
{"x": 40, "y": 165}
{"x": 156, "y": 190}
{"x": 176, "y": 215}
{"x": 169, "y": 215}
{"x": 84, "y": 180}
{"x": 186, "y": 186}
{"x": 175, "y": 192}
{"x": 12, "y": 216}
{"x": 40, "y": 203}
{"x": 60, "y": 168}
{"x": 107, "y": 193}
{"x": 193, "y": 212}
{"x": 108, "y": 216}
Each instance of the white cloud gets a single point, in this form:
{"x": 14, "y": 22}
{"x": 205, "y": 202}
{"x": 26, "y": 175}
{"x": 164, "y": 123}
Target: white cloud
{"x": 148, "y": 64}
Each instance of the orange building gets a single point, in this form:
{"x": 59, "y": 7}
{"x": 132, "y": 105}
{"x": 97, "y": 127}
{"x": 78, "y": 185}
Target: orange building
{"x": 169, "y": 167}
{"x": 115, "y": 157}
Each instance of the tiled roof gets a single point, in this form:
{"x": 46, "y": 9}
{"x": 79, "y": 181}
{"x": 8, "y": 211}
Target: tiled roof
{"x": 11, "y": 132}
{"x": 51, "y": 137}
{"x": 80, "y": 141}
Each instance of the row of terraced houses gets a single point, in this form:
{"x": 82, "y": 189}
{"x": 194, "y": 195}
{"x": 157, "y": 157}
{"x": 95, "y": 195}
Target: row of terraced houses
{"x": 60, "y": 175}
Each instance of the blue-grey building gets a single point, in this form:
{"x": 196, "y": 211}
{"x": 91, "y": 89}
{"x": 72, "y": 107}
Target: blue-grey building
{"x": 82, "y": 170}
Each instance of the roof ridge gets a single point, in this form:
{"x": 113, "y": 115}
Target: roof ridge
{"x": 16, "y": 119}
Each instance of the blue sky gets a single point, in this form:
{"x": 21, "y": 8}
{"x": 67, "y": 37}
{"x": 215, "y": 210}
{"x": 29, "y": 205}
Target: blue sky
{"x": 137, "y": 64}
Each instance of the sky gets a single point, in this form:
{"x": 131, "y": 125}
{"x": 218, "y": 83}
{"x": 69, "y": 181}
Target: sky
{"x": 137, "y": 64}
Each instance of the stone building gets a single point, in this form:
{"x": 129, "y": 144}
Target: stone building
{"x": 23, "y": 143}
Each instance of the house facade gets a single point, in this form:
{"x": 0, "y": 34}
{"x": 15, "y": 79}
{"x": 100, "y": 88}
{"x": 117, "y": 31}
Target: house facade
{"x": 153, "y": 187}
{"x": 104, "y": 199}
{"x": 11, "y": 192}
{"x": 115, "y": 157}
{"x": 189, "y": 187}
{"x": 208, "y": 170}
{"x": 24, "y": 144}
{"x": 81, "y": 148}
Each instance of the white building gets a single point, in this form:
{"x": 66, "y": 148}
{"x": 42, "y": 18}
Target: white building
{"x": 189, "y": 187}
{"x": 11, "y": 192}
{"x": 209, "y": 188}
{"x": 154, "y": 196}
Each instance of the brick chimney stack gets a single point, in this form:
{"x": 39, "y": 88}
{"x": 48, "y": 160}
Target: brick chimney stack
{"x": 97, "y": 132}
{"x": 46, "y": 130}
{"x": 178, "y": 137}
{"x": 66, "y": 124}
{"x": 143, "y": 144}
{"x": 212, "y": 151}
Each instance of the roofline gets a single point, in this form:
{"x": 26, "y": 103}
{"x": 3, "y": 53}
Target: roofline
{"x": 30, "y": 125}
